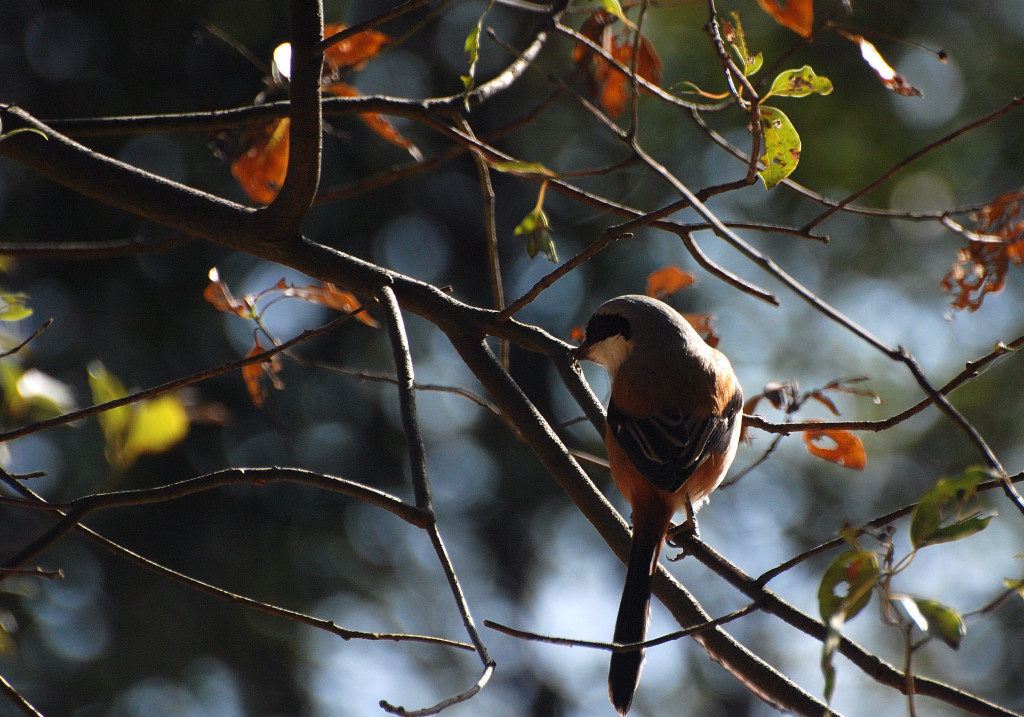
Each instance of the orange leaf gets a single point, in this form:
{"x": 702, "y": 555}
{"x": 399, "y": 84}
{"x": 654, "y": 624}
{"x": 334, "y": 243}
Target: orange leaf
{"x": 262, "y": 167}
{"x": 848, "y": 450}
{"x": 353, "y": 51}
{"x": 577, "y": 334}
{"x": 797, "y": 15}
{"x": 331, "y": 296}
{"x": 218, "y": 294}
{"x": 668, "y": 281}
{"x": 376, "y": 122}
{"x": 254, "y": 373}
{"x": 609, "y": 84}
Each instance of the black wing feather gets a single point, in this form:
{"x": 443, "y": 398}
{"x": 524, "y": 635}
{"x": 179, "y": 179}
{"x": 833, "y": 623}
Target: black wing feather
{"x": 669, "y": 446}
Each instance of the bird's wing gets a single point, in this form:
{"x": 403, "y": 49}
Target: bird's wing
{"x": 669, "y": 446}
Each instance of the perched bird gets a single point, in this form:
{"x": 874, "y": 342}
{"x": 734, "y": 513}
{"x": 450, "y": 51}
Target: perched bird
{"x": 672, "y": 430}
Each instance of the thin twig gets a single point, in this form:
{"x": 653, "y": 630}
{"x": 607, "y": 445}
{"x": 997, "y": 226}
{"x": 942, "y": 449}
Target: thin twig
{"x": 971, "y": 370}
{"x": 32, "y": 573}
{"x": 229, "y": 477}
{"x": 913, "y": 157}
{"x": 75, "y": 250}
{"x": 873, "y": 524}
{"x": 360, "y": 375}
{"x": 445, "y": 703}
{"x": 42, "y": 327}
{"x": 76, "y": 510}
{"x": 592, "y": 249}
{"x": 407, "y": 398}
{"x": 421, "y": 483}
{"x": 614, "y": 647}
{"x": 396, "y": 12}
{"x": 483, "y": 172}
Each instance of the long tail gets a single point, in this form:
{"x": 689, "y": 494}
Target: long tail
{"x": 649, "y": 528}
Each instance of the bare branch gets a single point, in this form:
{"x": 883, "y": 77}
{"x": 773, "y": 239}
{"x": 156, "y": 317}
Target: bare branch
{"x": 225, "y": 595}
{"x": 15, "y": 697}
{"x": 286, "y": 212}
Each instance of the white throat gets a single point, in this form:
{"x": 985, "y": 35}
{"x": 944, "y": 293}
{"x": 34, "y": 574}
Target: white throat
{"x": 611, "y": 352}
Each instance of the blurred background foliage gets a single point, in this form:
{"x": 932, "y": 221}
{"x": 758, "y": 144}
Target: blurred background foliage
{"x": 111, "y": 639}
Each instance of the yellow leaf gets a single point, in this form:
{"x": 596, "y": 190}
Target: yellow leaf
{"x": 158, "y": 424}
{"x": 105, "y": 387}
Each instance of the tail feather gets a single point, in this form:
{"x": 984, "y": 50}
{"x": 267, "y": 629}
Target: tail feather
{"x": 634, "y": 609}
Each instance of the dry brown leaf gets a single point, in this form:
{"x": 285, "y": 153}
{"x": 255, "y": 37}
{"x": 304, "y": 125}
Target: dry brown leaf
{"x": 980, "y": 268}
{"x": 797, "y": 15}
{"x": 254, "y": 373}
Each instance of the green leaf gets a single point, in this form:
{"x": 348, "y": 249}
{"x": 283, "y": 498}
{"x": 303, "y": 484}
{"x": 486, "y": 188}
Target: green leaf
{"x": 932, "y": 522}
{"x": 934, "y": 618}
{"x": 781, "y": 146}
{"x": 845, "y": 587}
{"x": 944, "y": 622}
{"x": 472, "y": 47}
{"x": 158, "y": 424}
{"x": 12, "y": 306}
{"x": 799, "y": 83}
{"x": 537, "y": 230}
{"x": 751, "y": 63}
{"x": 962, "y": 528}
{"x": 526, "y": 169}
